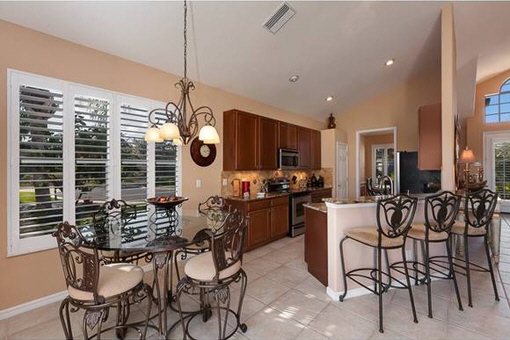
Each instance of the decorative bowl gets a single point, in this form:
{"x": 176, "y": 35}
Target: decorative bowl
{"x": 166, "y": 201}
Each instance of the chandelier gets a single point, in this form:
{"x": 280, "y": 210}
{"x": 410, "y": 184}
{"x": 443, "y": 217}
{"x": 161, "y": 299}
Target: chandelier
{"x": 176, "y": 126}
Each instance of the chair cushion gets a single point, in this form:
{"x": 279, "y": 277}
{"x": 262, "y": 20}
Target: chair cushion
{"x": 369, "y": 235}
{"x": 201, "y": 268}
{"x": 114, "y": 279}
{"x": 459, "y": 227}
{"x": 417, "y": 232}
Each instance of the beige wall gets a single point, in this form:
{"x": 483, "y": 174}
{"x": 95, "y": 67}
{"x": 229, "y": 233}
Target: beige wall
{"x": 475, "y": 126}
{"x": 398, "y": 107}
{"x": 368, "y": 142}
{"x": 32, "y": 276}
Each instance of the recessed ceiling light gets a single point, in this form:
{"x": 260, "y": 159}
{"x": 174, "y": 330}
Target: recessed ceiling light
{"x": 294, "y": 78}
{"x": 389, "y": 62}
{"x": 329, "y": 98}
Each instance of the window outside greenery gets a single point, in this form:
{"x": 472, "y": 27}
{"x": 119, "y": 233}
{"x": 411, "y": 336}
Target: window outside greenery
{"x": 497, "y": 106}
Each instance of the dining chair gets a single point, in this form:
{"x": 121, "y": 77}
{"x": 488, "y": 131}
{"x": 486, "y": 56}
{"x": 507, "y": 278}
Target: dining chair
{"x": 213, "y": 273}
{"x": 213, "y": 208}
{"x": 97, "y": 288}
{"x": 113, "y": 216}
{"x": 440, "y": 213}
{"x": 394, "y": 216}
{"x": 479, "y": 209}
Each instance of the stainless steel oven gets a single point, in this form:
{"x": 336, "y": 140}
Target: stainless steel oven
{"x": 297, "y": 212}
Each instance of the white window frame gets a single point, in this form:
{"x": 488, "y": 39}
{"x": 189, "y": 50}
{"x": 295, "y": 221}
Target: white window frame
{"x": 16, "y": 245}
{"x": 380, "y": 146}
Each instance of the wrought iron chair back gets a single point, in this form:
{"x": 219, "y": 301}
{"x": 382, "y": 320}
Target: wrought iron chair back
{"x": 215, "y": 209}
{"x": 80, "y": 264}
{"x": 395, "y": 215}
{"x": 228, "y": 246}
{"x": 114, "y": 215}
{"x": 479, "y": 208}
{"x": 386, "y": 185}
{"x": 441, "y": 211}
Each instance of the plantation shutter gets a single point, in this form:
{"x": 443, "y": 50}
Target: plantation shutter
{"x": 40, "y": 160}
{"x": 92, "y": 155}
{"x": 167, "y": 180}
{"x": 502, "y": 169}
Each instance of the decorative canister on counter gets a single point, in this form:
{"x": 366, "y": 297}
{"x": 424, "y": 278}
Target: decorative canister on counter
{"x": 245, "y": 188}
{"x": 236, "y": 187}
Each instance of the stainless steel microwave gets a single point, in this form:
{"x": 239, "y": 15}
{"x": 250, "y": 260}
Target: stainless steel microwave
{"x": 288, "y": 159}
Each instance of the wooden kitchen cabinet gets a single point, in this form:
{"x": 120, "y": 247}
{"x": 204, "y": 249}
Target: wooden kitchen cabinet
{"x": 268, "y": 219}
{"x": 304, "y": 141}
{"x": 268, "y": 144}
{"x": 250, "y": 142}
{"x": 288, "y": 135}
{"x": 279, "y": 217}
{"x": 315, "y": 149}
{"x": 429, "y": 140}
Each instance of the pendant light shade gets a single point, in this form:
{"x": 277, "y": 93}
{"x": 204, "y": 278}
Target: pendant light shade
{"x": 209, "y": 135}
{"x": 169, "y": 131}
{"x": 152, "y": 135}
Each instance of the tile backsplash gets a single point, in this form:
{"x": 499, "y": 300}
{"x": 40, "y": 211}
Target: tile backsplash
{"x": 257, "y": 178}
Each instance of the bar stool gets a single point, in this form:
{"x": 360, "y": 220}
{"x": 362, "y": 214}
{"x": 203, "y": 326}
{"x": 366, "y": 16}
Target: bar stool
{"x": 440, "y": 213}
{"x": 394, "y": 217}
{"x": 479, "y": 208}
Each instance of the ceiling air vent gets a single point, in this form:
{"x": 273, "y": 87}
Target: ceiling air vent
{"x": 279, "y": 18}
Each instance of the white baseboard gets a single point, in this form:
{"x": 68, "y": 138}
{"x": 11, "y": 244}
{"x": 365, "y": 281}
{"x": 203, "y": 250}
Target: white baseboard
{"x": 335, "y": 296}
{"x": 28, "y": 306}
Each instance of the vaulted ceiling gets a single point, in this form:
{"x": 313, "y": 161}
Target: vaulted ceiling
{"x": 337, "y": 48}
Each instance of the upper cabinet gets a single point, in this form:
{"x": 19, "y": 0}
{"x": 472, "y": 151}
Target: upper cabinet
{"x": 288, "y": 135}
{"x": 315, "y": 150}
{"x": 304, "y": 141}
{"x": 268, "y": 144}
{"x": 250, "y": 142}
{"x": 429, "y": 141}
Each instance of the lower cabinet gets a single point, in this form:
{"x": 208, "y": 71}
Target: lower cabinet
{"x": 269, "y": 219}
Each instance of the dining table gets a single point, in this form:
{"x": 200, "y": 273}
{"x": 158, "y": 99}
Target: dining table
{"x": 157, "y": 233}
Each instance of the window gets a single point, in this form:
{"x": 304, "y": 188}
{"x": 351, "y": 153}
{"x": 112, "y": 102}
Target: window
{"x": 497, "y": 106}
{"x": 382, "y": 161}
{"x": 71, "y": 148}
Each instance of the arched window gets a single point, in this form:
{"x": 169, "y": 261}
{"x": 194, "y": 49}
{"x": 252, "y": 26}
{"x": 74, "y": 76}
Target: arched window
{"x": 497, "y": 106}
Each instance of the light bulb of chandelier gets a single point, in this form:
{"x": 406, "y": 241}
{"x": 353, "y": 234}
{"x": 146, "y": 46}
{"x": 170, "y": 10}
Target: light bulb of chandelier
{"x": 177, "y": 141}
{"x": 152, "y": 135}
{"x": 169, "y": 131}
{"x": 209, "y": 135}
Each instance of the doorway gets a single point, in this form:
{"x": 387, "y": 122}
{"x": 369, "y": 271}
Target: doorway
{"x": 374, "y": 154}
{"x": 497, "y": 165}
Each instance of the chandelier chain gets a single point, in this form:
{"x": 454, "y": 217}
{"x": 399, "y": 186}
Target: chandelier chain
{"x": 185, "y": 38}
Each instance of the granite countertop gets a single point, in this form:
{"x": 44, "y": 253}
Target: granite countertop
{"x": 255, "y": 198}
{"x": 317, "y": 206}
{"x": 307, "y": 189}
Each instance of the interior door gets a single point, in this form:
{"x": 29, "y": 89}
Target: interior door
{"x": 341, "y": 171}
{"x": 497, "y": 165}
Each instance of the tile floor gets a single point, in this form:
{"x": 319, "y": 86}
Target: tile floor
{"x": 283, "y": 301}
